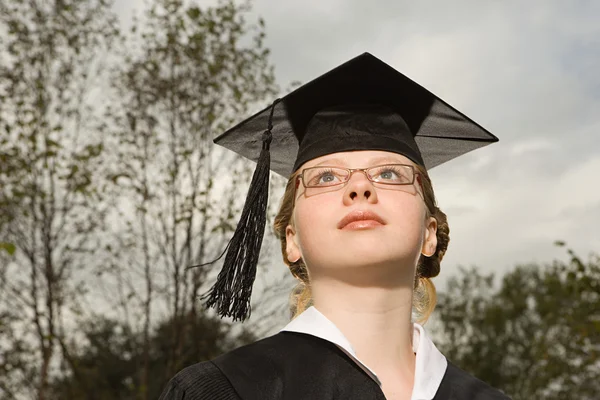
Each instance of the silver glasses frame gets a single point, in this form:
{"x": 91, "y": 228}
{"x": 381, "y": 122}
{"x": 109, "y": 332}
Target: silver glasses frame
{"x": 363, "y": 170}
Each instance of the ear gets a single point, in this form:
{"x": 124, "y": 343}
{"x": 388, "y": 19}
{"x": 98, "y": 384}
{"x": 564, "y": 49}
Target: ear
{"x": 291, "y": 246}
{"x": 430, "y": 242}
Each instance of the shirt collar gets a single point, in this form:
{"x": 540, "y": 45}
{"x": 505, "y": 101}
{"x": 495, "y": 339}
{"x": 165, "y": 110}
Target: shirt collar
{"x": 430, "y": 365}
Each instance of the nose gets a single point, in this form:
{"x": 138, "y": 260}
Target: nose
{"x": 359, "y": 188}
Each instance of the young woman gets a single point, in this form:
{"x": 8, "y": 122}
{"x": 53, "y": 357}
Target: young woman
{"x": 359, "y": 229}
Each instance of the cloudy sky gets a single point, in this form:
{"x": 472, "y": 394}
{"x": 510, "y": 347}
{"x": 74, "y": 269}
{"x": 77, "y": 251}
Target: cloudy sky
{"x": 527, "y": 71}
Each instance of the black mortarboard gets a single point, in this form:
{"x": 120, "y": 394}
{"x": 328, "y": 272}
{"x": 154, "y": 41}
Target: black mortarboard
{"x": 364, "y": 104}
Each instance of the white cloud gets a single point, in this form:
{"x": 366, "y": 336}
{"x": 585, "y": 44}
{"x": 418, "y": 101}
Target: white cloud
{"x": 531, "y": 146}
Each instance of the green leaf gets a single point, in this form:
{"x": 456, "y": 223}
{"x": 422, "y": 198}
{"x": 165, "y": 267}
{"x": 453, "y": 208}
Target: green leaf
{"x": 8, "y": 247}
{"x": 193, "y": 12}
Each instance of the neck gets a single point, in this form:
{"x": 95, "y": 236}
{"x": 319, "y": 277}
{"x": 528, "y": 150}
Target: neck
{"x": 375, "y": 319}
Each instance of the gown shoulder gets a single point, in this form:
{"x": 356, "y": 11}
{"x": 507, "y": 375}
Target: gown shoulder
{"x": 286, "y": 366}
{"x": 201, "y": 381}
{"x": 293, "y": 366}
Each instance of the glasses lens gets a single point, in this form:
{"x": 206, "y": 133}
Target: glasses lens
{"x": 324, "y": 176}
{"x": 393, "y": 174}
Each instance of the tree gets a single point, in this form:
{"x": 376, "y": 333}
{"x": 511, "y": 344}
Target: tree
{"x": 196, "y": 70}
{"x": 48, "y": 192}
{"x": 170, "y": 199}
{"x": 107, "y": 367}
{"x": 536, "y": 337}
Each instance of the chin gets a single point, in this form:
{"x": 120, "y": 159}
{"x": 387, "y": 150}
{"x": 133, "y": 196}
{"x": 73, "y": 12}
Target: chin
{"x": 367, "y": 249}
{"x": 377, "y": 272}
{"x": 389, "y": 248}
{"x": 355, "y": 258}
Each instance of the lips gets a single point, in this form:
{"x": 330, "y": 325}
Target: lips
{"x": 358, "y": 215}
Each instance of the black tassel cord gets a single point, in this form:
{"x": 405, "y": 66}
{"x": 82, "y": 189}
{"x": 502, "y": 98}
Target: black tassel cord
{"x": 231, "y": 293}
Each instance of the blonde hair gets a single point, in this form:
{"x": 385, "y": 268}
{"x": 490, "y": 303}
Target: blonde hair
{"x": 424, "y": 295}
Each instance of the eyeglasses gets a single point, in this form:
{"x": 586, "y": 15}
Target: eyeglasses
{"x": 388, "y": 174}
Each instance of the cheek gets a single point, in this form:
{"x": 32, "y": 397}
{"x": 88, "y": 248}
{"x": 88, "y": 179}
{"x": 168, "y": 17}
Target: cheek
{"x": 312, "y": 219}
{"x": 407, "y": 217}
{"x": 304, "y": 221}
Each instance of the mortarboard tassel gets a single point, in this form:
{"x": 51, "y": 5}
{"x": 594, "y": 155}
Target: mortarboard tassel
{"x": 230, "y": 295}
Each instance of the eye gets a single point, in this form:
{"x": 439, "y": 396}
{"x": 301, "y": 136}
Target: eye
{"x": 389, "y": 174}
{"x": 325, "y": 177}
{"x": 395, "y": 174}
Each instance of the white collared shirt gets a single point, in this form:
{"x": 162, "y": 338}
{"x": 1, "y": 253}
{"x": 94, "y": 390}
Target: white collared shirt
{"x": 430, "y": 365}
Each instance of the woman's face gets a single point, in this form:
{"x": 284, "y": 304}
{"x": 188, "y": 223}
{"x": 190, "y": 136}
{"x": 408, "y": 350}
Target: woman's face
{"x": 359, "y": 224}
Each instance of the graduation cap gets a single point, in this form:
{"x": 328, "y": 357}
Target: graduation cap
{"x": 363, "y": 104}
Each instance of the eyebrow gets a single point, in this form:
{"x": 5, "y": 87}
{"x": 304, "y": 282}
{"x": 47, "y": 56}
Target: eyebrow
{"x": 374, "y": 161}
{"x": 331, "y": 161}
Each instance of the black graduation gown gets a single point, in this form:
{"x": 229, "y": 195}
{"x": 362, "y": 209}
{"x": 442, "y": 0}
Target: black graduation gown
{"x": 296, "y": 366}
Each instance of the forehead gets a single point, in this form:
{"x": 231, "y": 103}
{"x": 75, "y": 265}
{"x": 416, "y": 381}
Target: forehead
{"x": 358, "y": 159}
